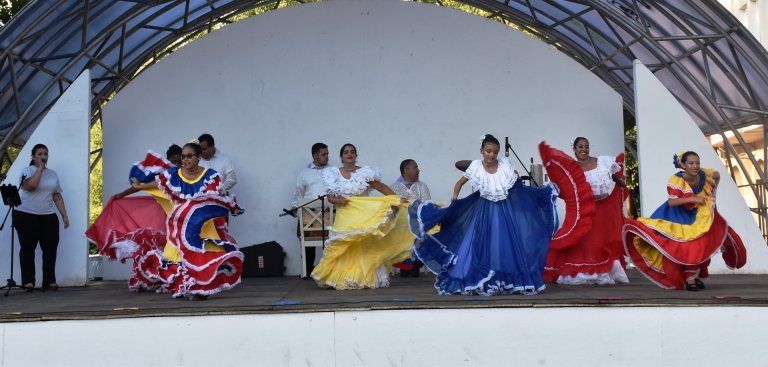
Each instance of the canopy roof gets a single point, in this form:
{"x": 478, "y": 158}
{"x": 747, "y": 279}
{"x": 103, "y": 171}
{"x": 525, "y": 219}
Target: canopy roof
{"x": 710, "y": 62}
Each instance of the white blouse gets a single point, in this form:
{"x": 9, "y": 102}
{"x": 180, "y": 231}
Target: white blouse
{"x": 356, "y": 185}
{"x": 492, "y": 186}
{"x": 600, "y": 177}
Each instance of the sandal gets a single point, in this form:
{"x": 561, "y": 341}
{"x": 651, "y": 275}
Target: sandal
{"x": 691, "y": 287}
{"x": 52, "y": 287}
{"x": 29, "y": 287}
{"x": 700, "y": 284}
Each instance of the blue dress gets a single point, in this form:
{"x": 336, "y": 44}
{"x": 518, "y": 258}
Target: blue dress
{"x": 494, "y": 241}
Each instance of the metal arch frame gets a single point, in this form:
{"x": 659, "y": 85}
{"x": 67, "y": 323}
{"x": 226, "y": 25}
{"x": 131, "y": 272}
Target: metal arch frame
{"x": 602, "y": 35}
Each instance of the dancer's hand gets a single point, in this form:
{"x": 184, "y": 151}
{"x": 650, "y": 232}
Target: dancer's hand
{"x": 697, "y": 200}
{"x": 338, "y": 200}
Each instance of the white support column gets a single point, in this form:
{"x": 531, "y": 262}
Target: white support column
{"x": 65, "y": 130}
{"x": 664, "y": 128}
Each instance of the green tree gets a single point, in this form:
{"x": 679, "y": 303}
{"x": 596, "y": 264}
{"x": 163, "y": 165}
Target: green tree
{"x": 631, "y": 173}
{"x": 8, "y": 8}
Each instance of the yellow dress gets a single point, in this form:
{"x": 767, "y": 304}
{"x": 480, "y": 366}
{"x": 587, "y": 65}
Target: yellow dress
{"x": 368, "y": 235}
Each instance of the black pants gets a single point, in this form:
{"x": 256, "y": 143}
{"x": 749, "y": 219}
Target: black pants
{"x": 31, "y": 229}
{"x": 309, "y": 253}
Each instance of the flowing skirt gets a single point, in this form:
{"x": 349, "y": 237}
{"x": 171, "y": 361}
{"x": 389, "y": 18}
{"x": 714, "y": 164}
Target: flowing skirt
{"x": 368, "y": 236}
{"x": 175, "y": 249}
{"x": 487, "y": 247}
{"x": 668, "y": 260}
{"x": 598, "y": 257}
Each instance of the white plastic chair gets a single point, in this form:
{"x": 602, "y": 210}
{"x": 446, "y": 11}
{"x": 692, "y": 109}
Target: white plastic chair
{"x": 311, "y": 227}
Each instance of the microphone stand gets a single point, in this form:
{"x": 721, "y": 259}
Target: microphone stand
{"x": 292, "y": 211}
{"x": 507, "y": 148}
{"x": 10, "y": 195}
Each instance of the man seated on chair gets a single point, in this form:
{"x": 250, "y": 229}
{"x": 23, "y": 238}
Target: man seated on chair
{"x": 409, "y": 187}
{"x": 309, "y": 186}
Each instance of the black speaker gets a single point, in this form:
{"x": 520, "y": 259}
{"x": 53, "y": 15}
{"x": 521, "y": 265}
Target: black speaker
{"x": 264, "y": 260}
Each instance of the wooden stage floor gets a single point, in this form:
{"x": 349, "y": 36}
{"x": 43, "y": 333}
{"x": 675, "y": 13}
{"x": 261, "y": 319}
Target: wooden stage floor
{"x": 111, "y": 299}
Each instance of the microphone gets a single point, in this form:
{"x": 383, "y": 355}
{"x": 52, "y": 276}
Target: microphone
{"x": 288, "y": 212}
{"x": 506, "y": 146}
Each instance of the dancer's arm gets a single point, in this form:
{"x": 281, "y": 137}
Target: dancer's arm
{"x": 143, "y": 186}
{"x": 126, "y": 192}
{"x": 338, "y": 200}
{"x": 615, "y": 177}
{"x": 695, "y": 200}
{"x": 457, "y": 187}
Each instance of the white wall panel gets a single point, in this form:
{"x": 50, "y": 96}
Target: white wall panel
{"x": 65, "y": 130}
{"x": 664, "y": 128}
{"x": 397, "y": 79}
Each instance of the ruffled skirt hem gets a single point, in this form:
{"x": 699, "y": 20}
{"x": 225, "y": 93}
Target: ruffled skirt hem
{"x": 360, "y": 252}
{"x": 580, "y": 275}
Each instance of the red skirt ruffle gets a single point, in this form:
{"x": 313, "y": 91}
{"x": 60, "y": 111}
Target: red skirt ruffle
{"x": 598, "y": 249}
{"x": 574, "y": 190}
{"x": 683, "y": 260}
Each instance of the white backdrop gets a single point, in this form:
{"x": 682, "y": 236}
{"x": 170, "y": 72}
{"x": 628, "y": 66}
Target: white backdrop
{"x": 65, "y": 131}
{"x": 397, "y": 79}
{"x": 664, "y": 128}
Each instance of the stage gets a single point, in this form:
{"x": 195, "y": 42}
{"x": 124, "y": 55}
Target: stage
{"x": 290, "y": 294}
{"x": 287, "y": 321}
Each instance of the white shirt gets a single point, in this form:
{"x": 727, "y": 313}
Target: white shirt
{"x": 310, "y": 184}
{"x": 417, "y": 191}
{"x": 224, "y": 166}
{"x": 601, "y": 177}
{"x": 492, "y": 186}
{"x": 356, "y": 185}
{"x": 40, "y": 200}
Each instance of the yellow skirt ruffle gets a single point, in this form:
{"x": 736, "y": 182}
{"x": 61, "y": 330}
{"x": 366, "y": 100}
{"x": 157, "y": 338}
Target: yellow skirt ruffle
{"x": 369, "y": 234}
{"x": 171, "y": 252}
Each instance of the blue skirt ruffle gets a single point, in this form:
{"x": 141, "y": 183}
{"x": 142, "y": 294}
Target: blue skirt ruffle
{"x": 485, "y": 247}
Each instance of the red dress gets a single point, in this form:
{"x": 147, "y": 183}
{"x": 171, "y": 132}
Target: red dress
{"x": 598, "y": 256}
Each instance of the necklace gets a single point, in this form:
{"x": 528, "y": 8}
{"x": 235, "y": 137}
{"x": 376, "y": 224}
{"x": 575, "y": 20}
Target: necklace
{"x": 196, "y": 171}
{"x": 349, "y": 169}
{"x": 490, "y": 164}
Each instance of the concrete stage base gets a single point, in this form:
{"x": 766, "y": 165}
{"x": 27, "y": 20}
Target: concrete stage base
{"x": 287, "y": 321}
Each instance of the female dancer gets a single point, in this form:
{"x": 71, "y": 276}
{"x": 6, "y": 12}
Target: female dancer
{"x": 178, "y": 260}
{"x": 495, "y": 240}
{"x": 367, "y": 236}
{"x": 673, "y": 247}
{"x": 598, "y": 257}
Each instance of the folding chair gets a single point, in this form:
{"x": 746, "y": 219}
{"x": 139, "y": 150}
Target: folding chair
{"x": 311, "y": 227}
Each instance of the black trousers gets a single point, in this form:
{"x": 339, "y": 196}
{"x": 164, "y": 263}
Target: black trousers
{"x": 309, "y": 253}
{"x": 31, "y": 229}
